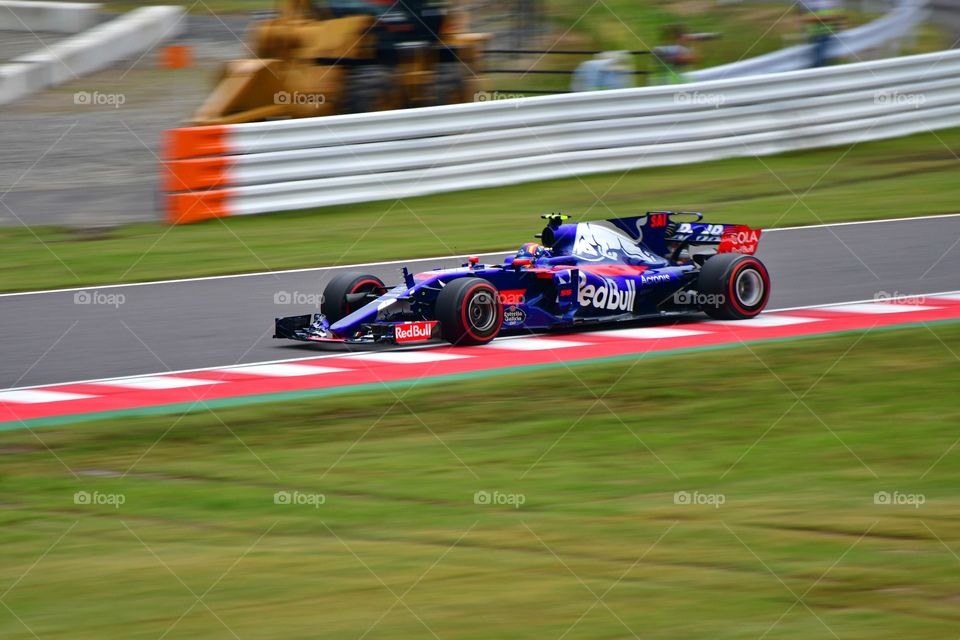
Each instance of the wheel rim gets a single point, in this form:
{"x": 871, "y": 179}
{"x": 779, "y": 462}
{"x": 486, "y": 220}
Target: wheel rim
{"x": 749, "y": 287}
{"x": 482, "y": 311}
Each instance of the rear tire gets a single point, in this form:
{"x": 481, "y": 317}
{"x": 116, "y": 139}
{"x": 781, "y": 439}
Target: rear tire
{"x": 739, "y": 286}
{"x": 469, "y": 311}
{"x": 335, "y": 305}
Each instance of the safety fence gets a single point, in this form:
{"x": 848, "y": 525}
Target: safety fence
{"x": 314, "y": 162}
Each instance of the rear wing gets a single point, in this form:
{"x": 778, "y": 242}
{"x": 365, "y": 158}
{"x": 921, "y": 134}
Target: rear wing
{"x": 661, "y": 229}
{"x": 664, "y": 233}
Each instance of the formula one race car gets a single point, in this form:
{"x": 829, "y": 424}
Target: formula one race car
{"x": 585, "y": 273}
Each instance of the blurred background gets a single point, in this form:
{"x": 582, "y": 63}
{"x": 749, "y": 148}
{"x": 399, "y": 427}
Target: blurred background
{"x": 103, "y": 169}
{"x": 800, "y": 485}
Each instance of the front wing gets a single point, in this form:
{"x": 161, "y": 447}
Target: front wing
{"x": 316, "y": 328}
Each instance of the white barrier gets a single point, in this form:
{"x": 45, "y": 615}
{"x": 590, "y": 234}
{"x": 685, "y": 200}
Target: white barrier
{"x": 295, "y": 164}
{"x": 19, "y": 80}
{"x": 54, "y": 17}
{"x": 98, "y": 48}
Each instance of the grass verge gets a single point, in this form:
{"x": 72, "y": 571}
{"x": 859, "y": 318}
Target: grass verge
{"x": 696, "y": 496}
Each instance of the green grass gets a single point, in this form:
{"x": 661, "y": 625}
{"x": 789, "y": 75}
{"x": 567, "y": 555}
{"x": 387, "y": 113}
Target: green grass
{"x": 747, "y": 30}
{"x": 638, "y": 26}
{"x": 598, "y": 480}
{"x": 894, "y": 178}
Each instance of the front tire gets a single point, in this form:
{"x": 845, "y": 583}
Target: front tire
{"x": 737, "y": 286}
{"x": 469, "y": 311}
{"x": 345, "y": 293}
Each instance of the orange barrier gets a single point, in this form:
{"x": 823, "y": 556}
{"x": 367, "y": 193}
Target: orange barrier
{"x": 196, "y": 173}
{"x": 184, "y": 208}
{"x": 194, "y": 142}
{"x": 193, "y": 164}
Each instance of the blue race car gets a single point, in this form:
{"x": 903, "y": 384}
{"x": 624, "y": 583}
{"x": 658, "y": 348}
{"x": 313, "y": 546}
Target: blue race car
{"x": 579, "y": 274}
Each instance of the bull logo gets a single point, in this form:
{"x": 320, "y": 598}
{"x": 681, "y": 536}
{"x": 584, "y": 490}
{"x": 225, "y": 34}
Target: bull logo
{"x": 596, "y": 242}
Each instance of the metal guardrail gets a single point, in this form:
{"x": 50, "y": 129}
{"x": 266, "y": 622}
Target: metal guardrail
{"x": 296, "y": 164}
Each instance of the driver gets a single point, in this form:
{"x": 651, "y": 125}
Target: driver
{"x": 533, "y": 251}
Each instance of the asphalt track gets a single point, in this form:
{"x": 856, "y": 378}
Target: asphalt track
{"x": 387, "y": 369}
{"x": 62, "y": 336}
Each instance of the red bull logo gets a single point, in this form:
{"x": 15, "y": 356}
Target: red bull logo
{"x": 414, "y": 331}
{"x": 609, "y": 295}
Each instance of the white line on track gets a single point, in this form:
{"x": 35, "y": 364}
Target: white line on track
{"x": 280, "y": 370}
{"x": 384, "y": 263}
{"x": 31, "y": 396}
{"x": 879, "y": 308}
{"x": 158, "y": 382}
{"x": 526, "y": 343}
{"x": 405, "y": 349}
{"x": 943, "y": 294}
{"x": 764, "y": 320}
{"x": 650, "y": 333}
{"x": 407, "y": 357}
{"x": 855, "y": 222}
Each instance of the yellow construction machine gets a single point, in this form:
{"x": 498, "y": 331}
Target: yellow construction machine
{"x": 348, "y": 56}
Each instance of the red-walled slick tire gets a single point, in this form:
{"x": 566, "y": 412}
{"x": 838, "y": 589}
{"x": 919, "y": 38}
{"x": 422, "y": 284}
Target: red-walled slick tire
{"x": 469, "y": 311}
{"x": 736, "y": 286}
